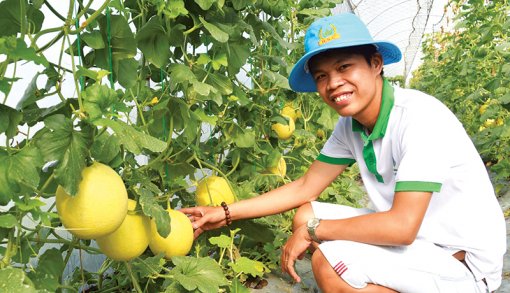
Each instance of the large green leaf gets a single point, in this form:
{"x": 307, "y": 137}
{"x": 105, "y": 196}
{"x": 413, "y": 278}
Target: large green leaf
{"x": 152, "y": 209}
{"x": 205, "y": 4}
{"x": 148, "y": 266}
{"x": 243, "y": 138}
{"x": 328, "y": 118}
{"x": 132, "y": 139}
{"x": 180, "y": 73}
{"x": 14, "y": 280}
{"x": 277, "y": 79}
{"x": 173, "y": 9}
{"x": 248, "y": 266}
{"x": 97, "y": 100}
{"x": 9, "y": 120}
{"x": 122, "y": 43}
{"x": 126, "y": 72}
{"x": 238, "y": 53}
{"x": 19, "y": 172}
{"x": 94, "y": 39}
{"x": 222, "y": 241}
{"x": 11, "y": 17}
{"x": 16, "y": 49}
{"x": 31, "y": 95}
{"x": 215, "y": 31}
{"x": 105, "y": 147}
{"x": 66, "y": 145}
{"x": 154, "y": 42}
{"x": 221, "y": 82}
{"x": 8, "y": 221}
{"x": 203, "y": 273}
{"x": 49, "y": 270}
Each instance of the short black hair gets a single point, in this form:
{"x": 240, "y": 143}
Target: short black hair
{"x": 367, "y": 51}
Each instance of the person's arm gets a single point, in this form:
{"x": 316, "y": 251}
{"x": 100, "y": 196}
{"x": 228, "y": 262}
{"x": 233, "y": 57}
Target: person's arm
{"x": 289, "y": 196}
{"x": 398, "y": 226}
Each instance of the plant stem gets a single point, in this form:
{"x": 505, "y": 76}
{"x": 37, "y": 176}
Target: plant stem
{"x": 91, "y": 18}
{"x": 7, "y": 257}
{"x": 133, "y": 277}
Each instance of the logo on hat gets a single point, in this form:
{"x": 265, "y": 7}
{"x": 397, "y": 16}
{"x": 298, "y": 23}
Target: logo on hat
{"x": 328, "y": 34}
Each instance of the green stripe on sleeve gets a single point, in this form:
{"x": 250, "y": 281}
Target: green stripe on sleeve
{"x": 335, "y": 161}
{"x": 418, "y": 186}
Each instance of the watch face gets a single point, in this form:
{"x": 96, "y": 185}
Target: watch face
{"x": 313, "y": 222}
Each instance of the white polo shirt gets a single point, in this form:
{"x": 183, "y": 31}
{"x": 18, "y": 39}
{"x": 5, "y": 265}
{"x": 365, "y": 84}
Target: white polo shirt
{"x": 418, "y": 144}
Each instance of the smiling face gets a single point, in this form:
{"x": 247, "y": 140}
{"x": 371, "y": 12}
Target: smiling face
{"x": 349, "y": 83}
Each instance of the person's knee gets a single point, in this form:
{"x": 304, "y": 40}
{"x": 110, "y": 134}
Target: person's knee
{"x": 303, "y": 214}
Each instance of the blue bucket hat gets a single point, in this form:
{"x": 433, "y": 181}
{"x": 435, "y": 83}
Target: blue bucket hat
{"x": 336, "y": 31}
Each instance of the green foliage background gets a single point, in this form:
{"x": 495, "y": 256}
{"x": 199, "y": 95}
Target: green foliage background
{"x": 165, "y": 92}
{"x": 468, "y": 68}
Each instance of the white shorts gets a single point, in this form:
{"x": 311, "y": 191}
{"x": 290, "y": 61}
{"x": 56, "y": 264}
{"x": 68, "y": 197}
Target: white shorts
{"x": 419, "y": 267}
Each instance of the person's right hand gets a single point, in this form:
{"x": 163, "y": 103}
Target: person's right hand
{"x": 205, "y": 218}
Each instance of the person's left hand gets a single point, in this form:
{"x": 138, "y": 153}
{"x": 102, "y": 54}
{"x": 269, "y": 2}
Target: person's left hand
{"x": 295, "y": 248}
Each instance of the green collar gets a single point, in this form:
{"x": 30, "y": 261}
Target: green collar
{"x": 384, "y": 114}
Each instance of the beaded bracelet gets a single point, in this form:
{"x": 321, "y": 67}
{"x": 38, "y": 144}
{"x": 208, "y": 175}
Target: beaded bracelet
{"x": 227, "y": 213}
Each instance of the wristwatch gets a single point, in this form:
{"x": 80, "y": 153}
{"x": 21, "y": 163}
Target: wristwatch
{"x": 312, "y": 225}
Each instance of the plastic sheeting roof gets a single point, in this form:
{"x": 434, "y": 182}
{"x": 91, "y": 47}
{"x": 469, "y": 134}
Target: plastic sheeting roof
{"x": 403, "y": 22}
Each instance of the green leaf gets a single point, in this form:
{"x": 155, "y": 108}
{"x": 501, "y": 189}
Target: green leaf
{"x": 241, "y": 4}
{"x": 9, "y": 120}
{"x": 222, "y": 241}
{"x": 132, "y": 139}
{"x": 16, "y": 49}
{"x": 180, "y": 73}
{"x": 90, "y": 73}
{"x": 97, "y": 100}
{"x": 278, "y": 79}
{"x": 6, "y": 84}
{"x": 32, "y": 94}
{"x": 175, "y": 8}
{"x": 66, "y": 145}
{"x": 248, "y": 266}
{"x": 126, "y": 72}
{"x": 241, "y": 137}
{"x": 28, "y": 204}
{"x": 219, "y": 60}
{"x": 203, "y": 273}
{"x": 254, "y": 230}
{"x": 201, "y": 88}
{"x": 237, "y": 287}
{"x": 215, "y": 31}
{"x": 154, "y": 42}
{"x": 19, "y": 172}
{"x": 105, "y": 147}
{"x": 177, "y": 170}
{"x": 122, "y": 43}
{"x": 205, "y": 4}
{"x": 220, "y": 82}
{"x": 328, "y": 118}
{"x": 49, "y": 269}
{"x": 93, "y": 39}
{"x": 148, "y": 266}
{"x": 152, "y": 209}
{"x": 8, "y": 221}
{"x": 204, "y": 117}
{"x": 10, "y": 17}
{"x": 14, "y": 280}
{"x": 203, "y": 59}
{"x": 238, "y": 53}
